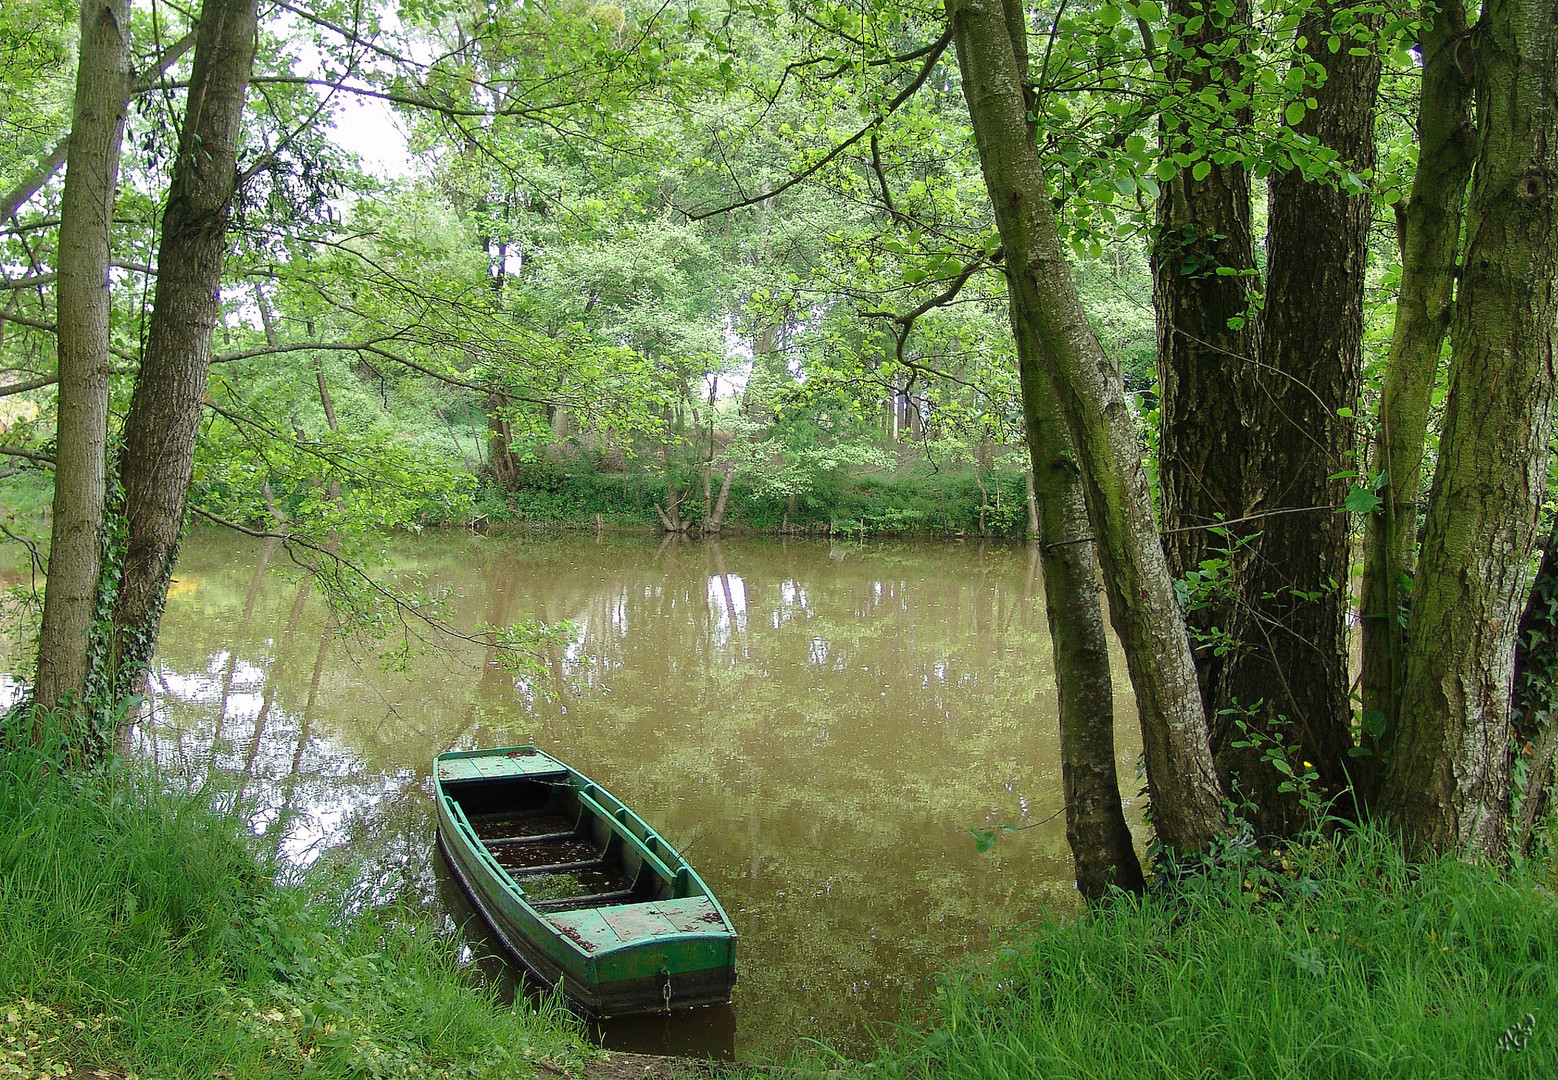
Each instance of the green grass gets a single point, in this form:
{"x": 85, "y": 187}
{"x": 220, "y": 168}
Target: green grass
{"x": 141, "y": 931}
{"x": 1344, "y": 962}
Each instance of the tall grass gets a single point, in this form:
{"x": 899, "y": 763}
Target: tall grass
{"x": 141, "y": 931}
{"x": 1340, "y": 961}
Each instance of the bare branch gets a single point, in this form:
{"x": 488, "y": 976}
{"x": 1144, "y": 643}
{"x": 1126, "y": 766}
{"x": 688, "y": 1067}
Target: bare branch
{"x": 30, "y": 455}
{"x": 23, "y": 320}
{"x": 24, "y": 387}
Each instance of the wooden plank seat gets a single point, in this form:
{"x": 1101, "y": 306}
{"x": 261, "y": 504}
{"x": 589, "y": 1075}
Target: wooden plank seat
{"x": 590, "y": 900}
{"x": 538, "y": 838}
{"x": 558, "y": 868}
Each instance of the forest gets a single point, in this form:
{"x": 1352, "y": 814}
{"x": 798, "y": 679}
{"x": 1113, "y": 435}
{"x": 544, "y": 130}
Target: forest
{"x": 1240, "y": 313}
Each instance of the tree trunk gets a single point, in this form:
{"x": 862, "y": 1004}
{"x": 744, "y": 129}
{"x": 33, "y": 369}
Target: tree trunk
{"x": 1447, "y": 782}
{"x": 103, "y": 83}
{"x": 716, "y": 519}
{"x": 1428, "y": 226}
{"x": 1033, "y": 532}
{"x": 1101, "y": 846}
{"x": 165, "y": 410}
{"x": 1186, "y": 795}
{"x": 1536, "y": 694}
{"x": 1208, "y": 374}
{"x": 1292, "y": 662}
{"x": 505, "y": 467}
{"x": 329, "y": 408}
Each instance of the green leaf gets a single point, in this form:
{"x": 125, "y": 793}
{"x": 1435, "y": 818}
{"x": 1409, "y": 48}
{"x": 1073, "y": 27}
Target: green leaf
{"x": 1361, "y": 500}
{"x": 984, "y": 839}
{"x": 1294, "y": 113}
{"x": 1201, "y": 170}
{"x": 1373, "y": 723}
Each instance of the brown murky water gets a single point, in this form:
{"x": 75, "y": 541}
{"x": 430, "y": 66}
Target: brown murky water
{"x": 816, "y": 725}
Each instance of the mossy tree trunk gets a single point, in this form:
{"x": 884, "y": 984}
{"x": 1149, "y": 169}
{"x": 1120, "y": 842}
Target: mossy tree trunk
{"x": 1102, "y": 851}
{"x": 165, "y": 409}
{"x": 103, "y": 82}
{"x": 1186, "y": 795}
{"x": 1428, "y": 226}
{"x": 1447, "y": 782}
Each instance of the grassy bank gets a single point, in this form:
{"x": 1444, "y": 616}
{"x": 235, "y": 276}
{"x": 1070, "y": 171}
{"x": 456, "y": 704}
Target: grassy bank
{"x": 910, "y": 501}
{"x": 142, "y": 933}
{"x": 1330, "y": 963}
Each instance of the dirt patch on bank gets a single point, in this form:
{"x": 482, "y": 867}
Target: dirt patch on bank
{"x": 618, "y": 1066}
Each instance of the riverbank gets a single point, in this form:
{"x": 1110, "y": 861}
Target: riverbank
{"x": 144, "y": 933}
{"x": 1319, "y": 964}
{"x": 912, "y": 501}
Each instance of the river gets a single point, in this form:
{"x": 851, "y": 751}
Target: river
{"x": 816, "y": 725}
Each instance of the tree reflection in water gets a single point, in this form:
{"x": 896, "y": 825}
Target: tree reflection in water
{"x": 816, "y": 724}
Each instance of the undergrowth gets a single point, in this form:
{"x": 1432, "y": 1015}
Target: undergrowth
{"x": 142, "y": 932}
{"x": 904, "y": 502}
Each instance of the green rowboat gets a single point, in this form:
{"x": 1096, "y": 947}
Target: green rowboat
{"x": 574, "y": 883}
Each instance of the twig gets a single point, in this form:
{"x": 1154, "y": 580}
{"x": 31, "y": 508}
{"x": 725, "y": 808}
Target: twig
{"x": 926, "y": 68}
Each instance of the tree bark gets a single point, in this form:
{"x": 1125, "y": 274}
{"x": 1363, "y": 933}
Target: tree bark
{"x": 1186, "y": 794}
{"x": 165, "y": 409}
{"x": 505, "y": 467}
{"x": 1101, "y": 847}
{"x": 103, "y": 83}
{"x": 1208, "y": 370}
{"x": 1536, "y": 693}
{"x": 1429, "y": 235}
{"x": 1292, "y": 662}
{"x": 715, "y": 522}
{"x": 1447, "y": 782}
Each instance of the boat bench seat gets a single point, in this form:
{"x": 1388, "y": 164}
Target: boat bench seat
{"x": 593, "y": 929}
{"x": 538, "y": 838}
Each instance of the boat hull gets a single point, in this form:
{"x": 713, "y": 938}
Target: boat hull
{"x": 666, "y": 945}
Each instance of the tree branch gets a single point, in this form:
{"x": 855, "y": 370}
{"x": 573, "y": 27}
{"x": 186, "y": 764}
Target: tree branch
{"x": 30, "y": 455}
{"x": 51, "y": 162}
{"x": 25, "y": 387}
{"x": 931, "y": 59}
